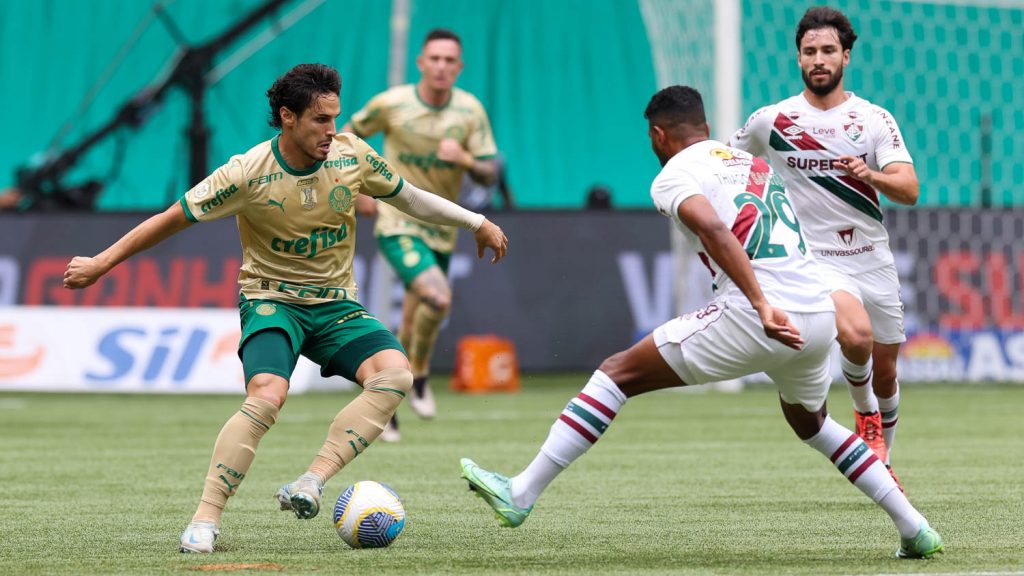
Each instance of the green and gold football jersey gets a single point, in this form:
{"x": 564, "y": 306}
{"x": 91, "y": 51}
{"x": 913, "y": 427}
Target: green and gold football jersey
{"x": 412, "y": 130}
{"x": 297, "y": 227}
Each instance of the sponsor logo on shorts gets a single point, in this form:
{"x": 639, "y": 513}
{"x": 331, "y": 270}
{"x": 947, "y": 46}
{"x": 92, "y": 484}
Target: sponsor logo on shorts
{"x": 709, "y": 310}
{"x": 846, "y": 236}
{"x": 411, "y": 259}
{"x": 266, "y": 309}
{"x": 310, "y": 291}
{"x": 354, "y": 315}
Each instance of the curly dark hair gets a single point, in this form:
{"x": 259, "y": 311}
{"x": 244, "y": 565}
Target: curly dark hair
{"x": 825, "y": 17}
{"x": 675, "y": 105}
{"x": 442, "y": 34}
{"x": 299, "y": 87}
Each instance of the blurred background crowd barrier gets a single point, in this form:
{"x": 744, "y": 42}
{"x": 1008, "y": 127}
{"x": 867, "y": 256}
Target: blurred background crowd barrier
{"x": 167, "y": 319}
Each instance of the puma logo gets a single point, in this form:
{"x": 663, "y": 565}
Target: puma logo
{"x": 231, "y": 487}
{"x": 272, "y": 202}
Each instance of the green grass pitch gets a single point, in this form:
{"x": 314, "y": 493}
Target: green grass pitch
{"x": 682, "y": 483}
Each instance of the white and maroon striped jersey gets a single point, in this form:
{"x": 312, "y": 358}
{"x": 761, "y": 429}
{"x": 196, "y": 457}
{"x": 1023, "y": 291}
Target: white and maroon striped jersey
{"x": 840, "y": 215}
{"x": 751, "y": 200}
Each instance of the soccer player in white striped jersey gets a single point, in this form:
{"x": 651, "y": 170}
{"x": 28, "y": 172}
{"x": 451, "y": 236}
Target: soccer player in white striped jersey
{"x": 771, "y": 312}
{"x": 838, "y": 153}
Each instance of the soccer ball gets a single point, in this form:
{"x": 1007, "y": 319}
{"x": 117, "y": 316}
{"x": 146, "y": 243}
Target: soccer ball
{"x": 369, "y": 515}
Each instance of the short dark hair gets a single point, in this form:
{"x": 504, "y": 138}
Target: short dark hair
{"x": 299, "y": 87}
{"x": 825, "y": 17}
{"x": 442, "y": 34}
{"x": 676, "y": 105}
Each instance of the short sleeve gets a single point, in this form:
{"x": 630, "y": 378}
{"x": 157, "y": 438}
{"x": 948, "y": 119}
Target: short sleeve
{"x": 481, "y": 140}
{"x": 888, "y": 140}
{"x": 219, "y": 195}
{"x": 372, "y": 118}
{"x": 671, "y": 188}
{"x": 379, "y": 177}
{"x": 750, "y": 137}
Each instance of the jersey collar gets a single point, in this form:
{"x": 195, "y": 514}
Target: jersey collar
{"x": 280, "y": 160}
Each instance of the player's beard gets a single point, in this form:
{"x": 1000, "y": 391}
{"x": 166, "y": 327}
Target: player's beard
{"x": 823, "y": 89}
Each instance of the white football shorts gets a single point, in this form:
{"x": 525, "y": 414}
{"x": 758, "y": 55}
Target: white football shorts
{"x": 878, "y": 291}
{"x": 721, "y": 342}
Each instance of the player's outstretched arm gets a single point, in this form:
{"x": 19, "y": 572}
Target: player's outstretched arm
{"x": 83, "y": 271}
{"x": 436, "y": 210}
{"x": 723, "y": 247}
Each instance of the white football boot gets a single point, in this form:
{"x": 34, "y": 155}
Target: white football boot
{"x": 199, "y": 537}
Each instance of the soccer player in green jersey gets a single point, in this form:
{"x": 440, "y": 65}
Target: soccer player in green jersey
{"x": 433, "y": 134}
{"x": 294, "y": 200}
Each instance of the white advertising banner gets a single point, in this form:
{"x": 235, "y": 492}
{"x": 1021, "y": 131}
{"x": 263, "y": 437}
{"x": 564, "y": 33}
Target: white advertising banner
{"x": 164, "y": 350}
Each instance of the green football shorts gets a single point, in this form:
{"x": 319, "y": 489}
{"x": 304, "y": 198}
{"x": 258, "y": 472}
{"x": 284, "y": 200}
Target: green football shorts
{"x": 410, "y": 255}
{"x": 342, "y": 330}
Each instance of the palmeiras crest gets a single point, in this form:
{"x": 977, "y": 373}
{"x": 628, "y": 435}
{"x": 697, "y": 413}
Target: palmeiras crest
{"x": 340, "y": 198}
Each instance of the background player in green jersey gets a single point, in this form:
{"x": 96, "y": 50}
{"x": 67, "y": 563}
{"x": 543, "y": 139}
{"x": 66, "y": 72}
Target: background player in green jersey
{"x": 293, "y": 197}
{"x": 433, "y": 133}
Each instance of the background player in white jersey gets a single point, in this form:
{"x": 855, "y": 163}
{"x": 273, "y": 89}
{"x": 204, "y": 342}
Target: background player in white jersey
{"x": 433, "y": 133}
{"x": 293, "y": 199}
{"x": 837, "y": 153}
{"x": 771, "y": 313}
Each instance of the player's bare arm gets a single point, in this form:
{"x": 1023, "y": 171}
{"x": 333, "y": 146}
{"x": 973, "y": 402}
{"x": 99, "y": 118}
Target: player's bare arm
{"x": 897, "y": 180}
{"x": 481, "y": 171}
{"x": 720, "y": 243}
{"x": 83, "y": 271}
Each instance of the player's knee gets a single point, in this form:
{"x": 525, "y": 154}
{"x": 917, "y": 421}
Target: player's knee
{"x": 395, "y": 378}
{"x": 884, "y": 374}
{"x": 612, "y": 365}
{"x": 805, "y": 423}
{"x": 440, "y": 303}
{"x": 269, "y": 387}
{"x": 622, "y": 372}
{"x": 856, "y": 339}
